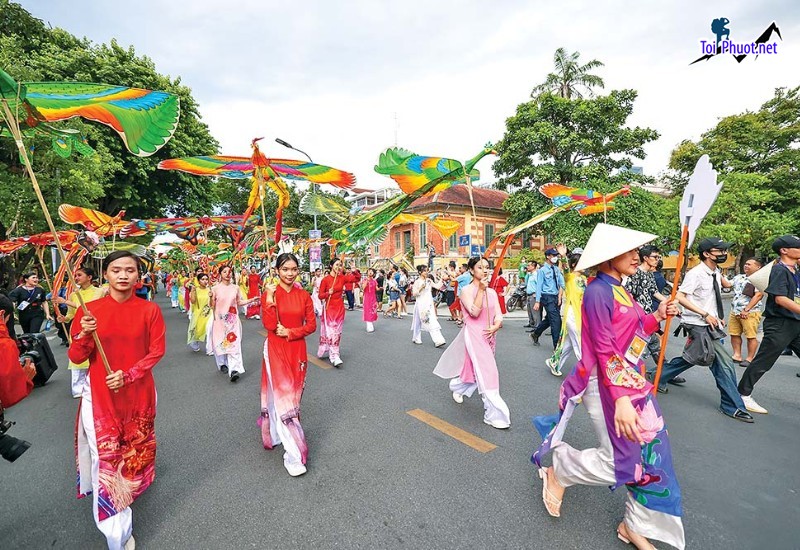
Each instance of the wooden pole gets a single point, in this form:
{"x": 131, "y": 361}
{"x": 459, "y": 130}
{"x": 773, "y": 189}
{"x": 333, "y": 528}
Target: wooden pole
{"x": 13, "y": 126}
{"x": 675, "y": 282}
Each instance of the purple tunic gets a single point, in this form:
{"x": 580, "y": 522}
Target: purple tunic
{"x": 611, "y": 319}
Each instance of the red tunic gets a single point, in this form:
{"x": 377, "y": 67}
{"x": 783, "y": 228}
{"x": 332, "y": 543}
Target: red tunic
{"x": 330, "y": 288}
{"x": 14, "y": 383}
{"x": 253, "y": 288}
{"x": 499, "y": 285}
{"x": 287, "y": 356}
{"x": 133, "y": 336}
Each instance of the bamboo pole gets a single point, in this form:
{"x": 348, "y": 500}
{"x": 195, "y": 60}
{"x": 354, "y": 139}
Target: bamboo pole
{"x": 13, "y": 126}
{"x": 675, "y": 283}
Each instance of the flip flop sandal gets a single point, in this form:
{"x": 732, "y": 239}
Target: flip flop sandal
{"x": 556, "y": 513}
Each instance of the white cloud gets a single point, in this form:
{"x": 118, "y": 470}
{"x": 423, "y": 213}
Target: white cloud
{"x": 329, "y": 77}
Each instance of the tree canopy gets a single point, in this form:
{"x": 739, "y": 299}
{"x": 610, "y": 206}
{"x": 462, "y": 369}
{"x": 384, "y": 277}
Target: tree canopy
{"x": 112, "y": 179}
{"x": 757, "y": 155}
{"x": 570, "y": 77}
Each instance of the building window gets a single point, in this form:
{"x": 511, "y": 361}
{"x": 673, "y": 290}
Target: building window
{"x": 423, "y": 236}
{"x": 488, "y": 233}
{"x": 452, "y": 243}
{"x": 377, "y": 249}
{"x": 406, "y": 241}
{"x": 397, "y": 241}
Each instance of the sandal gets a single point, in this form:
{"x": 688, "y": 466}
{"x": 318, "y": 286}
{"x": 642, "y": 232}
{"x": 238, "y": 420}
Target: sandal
{"x": 553, "y": 506}
{"x": 626, "y": 537}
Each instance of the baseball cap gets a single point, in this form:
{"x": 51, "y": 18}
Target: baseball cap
{"x": 551, "y": 252}
{"x": 786, "y": 241}
{"x": 578, "y": 251}
{"x": 712, "y": 242}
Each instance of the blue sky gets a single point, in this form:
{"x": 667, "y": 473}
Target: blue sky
{"x": 341, "y": 79}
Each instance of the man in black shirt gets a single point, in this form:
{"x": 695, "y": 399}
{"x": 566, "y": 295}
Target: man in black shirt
{"x": 781, "y": 317}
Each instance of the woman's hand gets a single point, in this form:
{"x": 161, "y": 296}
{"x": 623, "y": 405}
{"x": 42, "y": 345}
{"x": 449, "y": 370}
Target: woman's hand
{"x": 88, "y": 325}
{"x": 667, "y": 308}
{"x": 483, "y": 284}
{"x": 59, "y": 300}
{"x": 282, "y": 331}
{"x": 561, "y": 248}
{"x": 114, "y": 381}
{"x": 490, "y": 332}
{"x": 626, "y": 420}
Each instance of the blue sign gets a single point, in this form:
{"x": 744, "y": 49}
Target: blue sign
{"x": 477, "y": 250}
{"x": 464, "y": 240}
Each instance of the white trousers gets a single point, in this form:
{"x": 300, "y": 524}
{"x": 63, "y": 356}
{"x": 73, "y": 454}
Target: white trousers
{"x": 595, "y": 467}
{"x": 233, "y": 362}
{"x": 119, "y": 527}
{"x": 436, "y": 335}
{"x": 494, "y": 408}
{"x": 292, "y": 460}
{"x": 78, "y": 381}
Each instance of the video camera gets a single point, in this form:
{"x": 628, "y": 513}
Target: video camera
{"x": 11, "y": 448}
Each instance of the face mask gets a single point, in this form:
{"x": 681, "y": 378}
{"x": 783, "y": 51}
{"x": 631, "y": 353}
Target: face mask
{"x": 554, "y": 260}
{"x": 720, "y": 258}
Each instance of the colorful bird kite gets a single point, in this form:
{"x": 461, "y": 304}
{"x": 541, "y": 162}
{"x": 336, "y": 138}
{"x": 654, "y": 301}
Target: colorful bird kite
{"x": 417, "y": 176}
{"x": 144, "y": 119}
{"x": 187, "y": 228}
{"x": 264, "y": 172}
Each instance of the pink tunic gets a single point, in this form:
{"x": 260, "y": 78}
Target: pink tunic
{"x": 370, "y": 301}
{"x": 226, "y": 332}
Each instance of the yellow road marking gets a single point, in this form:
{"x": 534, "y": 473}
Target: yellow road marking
{"x": 318, "y": 362}
{"x": 456, "y": 433}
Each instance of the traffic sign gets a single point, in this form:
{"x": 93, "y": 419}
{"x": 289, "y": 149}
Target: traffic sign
{"x": 464, "y": 240}
{"x": 477, "y": 250}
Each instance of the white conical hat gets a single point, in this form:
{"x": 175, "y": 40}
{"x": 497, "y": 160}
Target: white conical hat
{"x": 609, "y": 241}
{"x": 760, "y": 278}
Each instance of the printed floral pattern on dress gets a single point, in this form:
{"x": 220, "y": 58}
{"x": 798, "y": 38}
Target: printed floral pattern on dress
{"x": 650, "y": 422}
{"x": 619, "y": 374}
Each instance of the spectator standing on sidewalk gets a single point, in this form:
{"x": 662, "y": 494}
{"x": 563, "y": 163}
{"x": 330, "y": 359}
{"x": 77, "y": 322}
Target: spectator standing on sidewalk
{"x": 745, "y": 314}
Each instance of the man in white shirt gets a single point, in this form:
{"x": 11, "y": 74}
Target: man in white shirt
{"x": 700, "y": 294}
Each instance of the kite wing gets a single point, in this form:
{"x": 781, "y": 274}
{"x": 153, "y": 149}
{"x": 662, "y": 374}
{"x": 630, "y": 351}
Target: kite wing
{"x": 144, "y": 119}
{"x": 212, "y": 165}
{"x": 411, "y": 171}
{"x": 314, "y": 173}
{"x": 93, "y": 220}
{"x": 321, "y": 204}
{"x": 445, "y": 226}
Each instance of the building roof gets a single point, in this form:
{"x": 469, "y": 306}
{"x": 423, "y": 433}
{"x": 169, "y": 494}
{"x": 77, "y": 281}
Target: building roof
{"x": 458, "y": 195}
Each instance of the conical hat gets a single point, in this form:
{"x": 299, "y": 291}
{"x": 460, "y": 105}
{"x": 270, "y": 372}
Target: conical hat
{"x": 760, "y": 278}
{"x": 609, "y": 241}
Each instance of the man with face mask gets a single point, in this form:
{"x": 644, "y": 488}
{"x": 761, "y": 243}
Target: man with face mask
{"x": 549, "y": 294}
{"x": 700, "y": 294}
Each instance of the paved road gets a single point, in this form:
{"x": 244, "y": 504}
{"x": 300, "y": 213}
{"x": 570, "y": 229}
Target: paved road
{"x": 380, "y": 478}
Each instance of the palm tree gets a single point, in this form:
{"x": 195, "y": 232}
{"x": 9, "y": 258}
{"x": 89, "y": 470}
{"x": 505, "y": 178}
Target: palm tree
{"x": 569, "y": 76}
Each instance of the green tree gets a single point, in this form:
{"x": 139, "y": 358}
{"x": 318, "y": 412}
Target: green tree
{"x": 580, "y": 143}
{"x": 30, "y": 51}
{"x": 569, "y": 76}
{"x": 554, "y": 139}
{"x": 757, "y": 155}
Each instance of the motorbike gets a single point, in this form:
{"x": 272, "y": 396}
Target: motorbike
{"x": 518, "y": 298}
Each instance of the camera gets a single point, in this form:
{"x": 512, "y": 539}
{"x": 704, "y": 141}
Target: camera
{"x": 11, "y": 448}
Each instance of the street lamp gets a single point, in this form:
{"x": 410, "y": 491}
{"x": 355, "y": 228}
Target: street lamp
{"x": 279, "y": 141}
